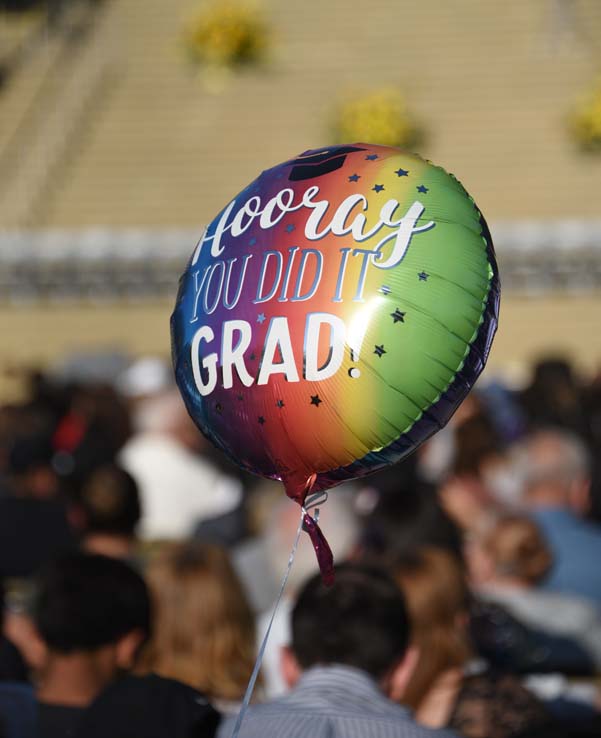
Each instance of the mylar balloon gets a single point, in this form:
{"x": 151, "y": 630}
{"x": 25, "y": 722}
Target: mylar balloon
{"x": 335, "y": 314}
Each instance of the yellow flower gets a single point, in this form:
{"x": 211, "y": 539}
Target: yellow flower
{"x": 379, "y": 117}
{"x": 227, "y": 33}
{"x": 586, "y": 121}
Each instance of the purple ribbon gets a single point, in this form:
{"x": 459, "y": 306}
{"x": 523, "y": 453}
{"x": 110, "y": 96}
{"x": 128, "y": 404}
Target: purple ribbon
{"x": 325, "y": 558}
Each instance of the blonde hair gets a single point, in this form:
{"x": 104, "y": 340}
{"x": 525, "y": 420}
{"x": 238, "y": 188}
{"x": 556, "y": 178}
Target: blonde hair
{"x": 518, "y": 549}
{"x": 433, "y": 583}
{"x": 203, "y": 629}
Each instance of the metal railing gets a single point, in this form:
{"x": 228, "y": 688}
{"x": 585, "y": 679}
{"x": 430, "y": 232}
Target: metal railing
{"x": 100, "y": 264}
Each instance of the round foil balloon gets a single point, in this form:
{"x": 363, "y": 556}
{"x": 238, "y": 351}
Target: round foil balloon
{"x": 334, "y": 314}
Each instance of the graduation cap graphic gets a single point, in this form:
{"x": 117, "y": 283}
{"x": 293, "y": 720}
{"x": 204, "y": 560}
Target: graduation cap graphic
{"x": 318, "y": 162}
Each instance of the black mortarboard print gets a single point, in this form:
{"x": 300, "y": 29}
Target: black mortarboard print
{"x": 319, "y": 162}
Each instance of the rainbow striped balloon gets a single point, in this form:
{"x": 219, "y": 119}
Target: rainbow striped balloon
{"x": 334, "y": 314}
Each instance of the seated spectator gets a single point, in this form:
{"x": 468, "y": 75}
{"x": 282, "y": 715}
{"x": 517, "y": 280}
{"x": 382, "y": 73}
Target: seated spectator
{"x": 32, "y": 530}
{"x": 90, "y": 432}
{"x": 111, "y": 507}
{"x": 441, "y": 690}
{"x": 476, "y": 484}
{"x": 279, "y": 526}
{"x": 506, "y": 566}
{"x": 557, "y": 482}
{"x": 92, "y": 614}
{"x": 435, "y": 457}
{"x": 348, "y": 656}
{"x": 512, "y": 553}
{"x": 34, "y": 523}
{"x": 203, "y": 629}
{"x": 149, "y": 707}
{"x": 179, "y": 485}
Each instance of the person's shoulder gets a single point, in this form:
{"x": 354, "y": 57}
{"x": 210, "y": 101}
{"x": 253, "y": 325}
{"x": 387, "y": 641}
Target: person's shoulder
{"x": 143, "y": 446}
{"x": 255, "y": 722}
{"x": 562, "y": 521}
{"x": 551, "y": 516}
{"x": 267, "y": 720}
{"x": 139, "y": 705}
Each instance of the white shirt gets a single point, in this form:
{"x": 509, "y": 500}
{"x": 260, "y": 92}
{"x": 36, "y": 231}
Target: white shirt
{"x": 178, "y": 488}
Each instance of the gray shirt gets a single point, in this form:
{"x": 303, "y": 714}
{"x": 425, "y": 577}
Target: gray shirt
{"x": 331, "y": 702}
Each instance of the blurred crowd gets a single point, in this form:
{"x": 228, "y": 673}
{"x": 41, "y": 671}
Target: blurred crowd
{"x": 139, "y": 571}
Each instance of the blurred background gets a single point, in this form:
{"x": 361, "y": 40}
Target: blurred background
{"x": 125, "y": 126}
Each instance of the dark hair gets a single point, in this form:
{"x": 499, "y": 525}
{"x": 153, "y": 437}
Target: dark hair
{"x": 85, "y": 601}
{"x": 476, "y": 441}
{"x": 403, "y": 522}
{"x": 361, "y": 621}
{"x": 111, "y": 501}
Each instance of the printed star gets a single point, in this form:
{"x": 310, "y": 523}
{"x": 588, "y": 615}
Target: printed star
{"x": 423, "y": 276}
{"x": 379, "y": 351}
{"x": 290, "y": 227}
{"x": 398, "y": 316}
{"x": 252, "y": 242}
{"x": 252, "y": 357}
{"x": 422, "y": 188}
{"x": 280, "y": 403}
{"x": 371, "y": 157}
{"x": 385, "y": 289}
{"x": 378, "y": 188}
{"x": 261, "y": 318}
{"x": 261, "y": 420}
{"x": 218, "y": 407}
{"x": 401, "y": 172}
{"x": 354, "y": 178}
{"x": 240, "y": 397}
{"x": 315, "y": 400}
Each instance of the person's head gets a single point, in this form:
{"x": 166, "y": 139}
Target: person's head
{"x": 513, "y": 551}
{"x": 165, "y": 414}
{"x": 204, "y": 628}
{"x": 94, "y": 608}
{"x": 29, "y": 466}
{"x": 477, "y": 445}
{"x": 402, "y": 522}
{"x": 556, "y": 470}
{"x": 433, "y": 583}
{"x": 360, "y": 621}
{"x": 554, "y": 396}
{"x": 111, "y": 502}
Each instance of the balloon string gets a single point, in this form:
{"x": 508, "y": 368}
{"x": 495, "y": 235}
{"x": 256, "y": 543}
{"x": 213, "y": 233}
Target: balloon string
{"x": 312, "y": 501}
